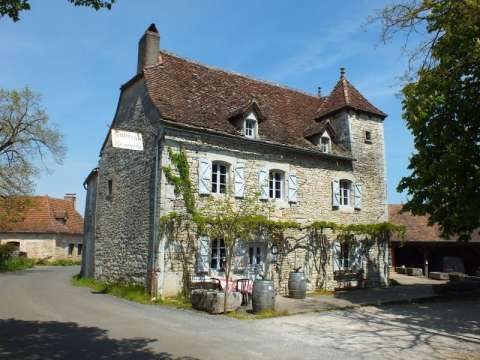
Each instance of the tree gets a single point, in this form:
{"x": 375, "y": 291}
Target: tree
{"x": 12, "y": 8}
{"x": 440, "y": 107}
{"x": 27, "y": 140}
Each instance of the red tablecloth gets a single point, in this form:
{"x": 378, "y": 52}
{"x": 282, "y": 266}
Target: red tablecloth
{"x": 244, "y": 285}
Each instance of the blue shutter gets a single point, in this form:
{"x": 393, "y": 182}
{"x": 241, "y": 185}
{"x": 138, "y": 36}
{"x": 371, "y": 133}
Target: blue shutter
{"x": 292, "y": 188}
{"x": 204, "y": 176}
{"x": 357, "y": 192}
{"x": 203, "y": 254}
{"x": 336, "y": 254}
{"x": 239, "y": 180}
{"x": 335, "y": 193}
{"x": 263, "y": 183}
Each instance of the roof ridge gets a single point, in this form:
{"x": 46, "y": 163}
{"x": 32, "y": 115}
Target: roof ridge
{"x": 266, "y": 82}
{"x": 345, "y": 84}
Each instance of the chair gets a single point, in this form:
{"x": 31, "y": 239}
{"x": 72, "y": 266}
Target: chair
{"x": 243, "y": 288}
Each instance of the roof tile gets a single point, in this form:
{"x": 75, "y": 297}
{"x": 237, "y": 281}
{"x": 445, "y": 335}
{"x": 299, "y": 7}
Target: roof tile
{"x": 49, "y": 215}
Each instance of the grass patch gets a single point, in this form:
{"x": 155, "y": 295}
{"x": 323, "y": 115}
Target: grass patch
{"x": 322, "y": 292}
{"x": 60, "y": 262}
{"x": 265, "y": 314}
{"x": 131, "y": 292}
{"x": 393, "y": 282}
{"x": 16, "y": 264}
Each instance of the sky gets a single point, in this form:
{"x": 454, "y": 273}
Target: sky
{"x": 77, "y": 59}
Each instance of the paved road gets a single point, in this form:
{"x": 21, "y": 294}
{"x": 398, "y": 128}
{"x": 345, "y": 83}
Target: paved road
{"x": 43, "y": 317}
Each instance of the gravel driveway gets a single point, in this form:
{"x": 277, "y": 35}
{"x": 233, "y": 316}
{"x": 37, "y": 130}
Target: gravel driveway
{"x": 43, "y": 317}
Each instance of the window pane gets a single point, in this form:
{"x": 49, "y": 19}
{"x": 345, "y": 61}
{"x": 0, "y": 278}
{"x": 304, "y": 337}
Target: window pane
{"x": 250, "y": 256}
{"x": 213, "y": 263}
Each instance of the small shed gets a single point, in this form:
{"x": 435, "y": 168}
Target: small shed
{"x": 424, "y": 248}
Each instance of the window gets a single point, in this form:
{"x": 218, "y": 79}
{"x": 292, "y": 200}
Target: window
{"x": 70, "y": 249}
{"x": 219, "y": 178}
{"x": 345, "y": 255}
{"x": 345, "y": 189}
{"x": 79, "y": 249}
{"x": 110, "y": 189}
{"x": 325, "y": 144}
{"x": 255, "y": 255}
{"x": 275, "y": 185}
{"x": 217, "y": 256}
{"x": 368, "y": 137}
{"x": 250, "y": 128}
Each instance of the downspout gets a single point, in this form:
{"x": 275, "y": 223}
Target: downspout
{"x": 156, "y": 222}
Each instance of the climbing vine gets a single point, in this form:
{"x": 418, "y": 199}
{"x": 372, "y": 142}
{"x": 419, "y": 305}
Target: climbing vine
{"x": 246, "y": 219}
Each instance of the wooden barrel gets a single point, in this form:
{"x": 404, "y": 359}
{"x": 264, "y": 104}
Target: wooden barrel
{"x": 297, "y": 285}
{"x": 263, "y": 297}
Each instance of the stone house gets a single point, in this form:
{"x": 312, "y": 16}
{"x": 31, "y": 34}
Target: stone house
{"x": 312, "y": 157}
{"x": 48, "y": 229}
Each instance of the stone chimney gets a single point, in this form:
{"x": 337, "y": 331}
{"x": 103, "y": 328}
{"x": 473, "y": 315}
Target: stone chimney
{"x": 70, "y": 197}
{"x": 148, "y": 48}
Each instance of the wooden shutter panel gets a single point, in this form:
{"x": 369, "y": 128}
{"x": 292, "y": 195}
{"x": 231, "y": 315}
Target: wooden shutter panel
{"x": 336, "y": 253}
{"x": 292, "y": 188}
{"x": 263, "y": 183}
{"x": 356, "y": 256}
{"x": 239, "y": 181}
{"x": 204, "y": 176}
{"x": 203, "y": 254}
{"x": 240, "y": 255}
{"x": 357, "y": 192}
{"x": 335, "y": 193}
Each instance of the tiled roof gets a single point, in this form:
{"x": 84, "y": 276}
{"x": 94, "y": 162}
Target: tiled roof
{"x": 196, "y": 95}
{"x": 48, "y": 215}
{"x": 417, "y": 226}
{"x": 344, "y": 95}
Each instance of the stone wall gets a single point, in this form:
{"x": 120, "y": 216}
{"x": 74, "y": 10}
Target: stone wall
{"x": 314, "y": 175}
{"x": 124, "y": 219}
{"x": 88, "y": 256}
{"x": 45, "y": 246}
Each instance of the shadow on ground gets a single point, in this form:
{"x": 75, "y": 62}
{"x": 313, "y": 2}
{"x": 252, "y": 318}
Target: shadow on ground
{"x": 28, "y": 340}
{"x": 431, "y": 330}
{"x": 387, "y": 294}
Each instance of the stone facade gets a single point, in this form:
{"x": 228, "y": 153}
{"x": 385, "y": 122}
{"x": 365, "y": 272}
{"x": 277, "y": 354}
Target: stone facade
{"x": 124, "y": 218}
{"x": 314, "y": 199}
{"x": 174, "y": 103}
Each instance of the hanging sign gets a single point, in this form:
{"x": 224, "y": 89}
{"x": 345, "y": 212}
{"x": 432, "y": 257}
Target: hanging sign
{"x": 127, "y": 140}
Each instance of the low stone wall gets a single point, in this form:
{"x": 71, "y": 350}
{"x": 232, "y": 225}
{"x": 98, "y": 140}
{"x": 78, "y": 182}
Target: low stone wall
{"x": 45, "y": 246}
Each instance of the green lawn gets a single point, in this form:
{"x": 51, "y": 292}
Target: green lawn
{"x": 16, "y": 264}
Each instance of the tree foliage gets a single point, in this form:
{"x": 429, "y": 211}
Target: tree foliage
{"x": 440, "y": 106}
{"x": 12, "y": 8}
{"x": 27, "y": 140}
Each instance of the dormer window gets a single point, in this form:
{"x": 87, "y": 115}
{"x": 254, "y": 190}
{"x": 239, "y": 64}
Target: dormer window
{"x": 325, "y": 144}
{"x": 250, "y": 126}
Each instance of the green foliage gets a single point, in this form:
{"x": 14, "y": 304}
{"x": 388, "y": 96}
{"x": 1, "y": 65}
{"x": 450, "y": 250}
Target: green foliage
{"x": 60, "y": 262}
{"x": 27, "y": 139}
{"x": 246, "y": 220}
{"x": 12, "y": 8}
{"x": 265, "y": 314}
{"x": 182, "y": 183}
{"x": 131, "y": 292}
{"x": 440, "y": 107}
{"x": 6, "y": 250}
{"x": 16, "y": 264}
